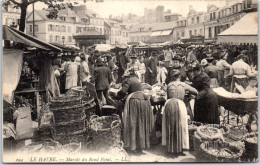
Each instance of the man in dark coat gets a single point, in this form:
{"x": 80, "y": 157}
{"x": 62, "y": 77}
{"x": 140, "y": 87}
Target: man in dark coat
{"x": 102, "y": 78}
{"x": 122, "y": 61}
{"x": 152, "y": 69}
{"x": 206, "y": 102}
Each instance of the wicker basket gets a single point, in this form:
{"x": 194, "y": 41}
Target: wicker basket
{"x": 105, "y": 131}
{"x": 251, "y": 146}
{"x": 70, "y": 127}
{"x": 224, "y": 129}
{"x": 193, "y": 125}
{"x": 78, "y": 137}
{"x": 67, "y": 101}
{"x": 209, "y": 133}
{"x": 220, "y": 151}
{"x": 66, "y": 114}
{"x": 45, "y": 132}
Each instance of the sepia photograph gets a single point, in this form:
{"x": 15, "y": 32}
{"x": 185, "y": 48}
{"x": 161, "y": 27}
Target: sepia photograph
{"x": 129, "y": 81}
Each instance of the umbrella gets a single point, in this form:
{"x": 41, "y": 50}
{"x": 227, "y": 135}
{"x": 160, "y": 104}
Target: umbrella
{"x": 103, "y": 47}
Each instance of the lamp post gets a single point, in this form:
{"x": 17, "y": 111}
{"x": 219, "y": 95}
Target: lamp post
{"x": 63, "y": 40}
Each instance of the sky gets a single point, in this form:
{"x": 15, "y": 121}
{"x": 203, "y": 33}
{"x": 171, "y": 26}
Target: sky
{"x": 118, "y": 7}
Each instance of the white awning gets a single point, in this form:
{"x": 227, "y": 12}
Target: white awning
{"x": 244, "y": 31}
{"x": 166, "y": 32}
{"x": 156, "y": 33}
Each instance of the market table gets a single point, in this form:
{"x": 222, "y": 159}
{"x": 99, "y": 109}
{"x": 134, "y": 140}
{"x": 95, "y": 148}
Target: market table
{"x": 239, "y": 106}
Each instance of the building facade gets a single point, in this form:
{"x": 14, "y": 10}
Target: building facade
{"x": 195, "y": 23}
{"x": 220, "y": 19}
{"x": 11, "y": 16}
{"x": 180, "y": 31}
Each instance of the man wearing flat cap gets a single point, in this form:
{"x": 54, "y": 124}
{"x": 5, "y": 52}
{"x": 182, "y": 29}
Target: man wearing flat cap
{"x": 152, "y": 69}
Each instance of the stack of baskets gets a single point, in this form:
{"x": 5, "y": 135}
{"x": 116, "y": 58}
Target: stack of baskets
{"x": 105, "y": 131}
{"x": 90, "y": 108}
{"x": 69, "y": 119}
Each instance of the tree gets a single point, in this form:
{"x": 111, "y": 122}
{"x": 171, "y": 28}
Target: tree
{"x": 53, "y": 7}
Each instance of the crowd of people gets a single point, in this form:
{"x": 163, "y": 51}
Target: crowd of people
{"x": 193, "y": 70}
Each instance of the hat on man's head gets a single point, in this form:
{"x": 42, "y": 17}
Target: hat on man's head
{"x": 244, "y": 52}
{"x": 210, "y": 59}
{"x": 133, "y": 56}
{"x": 99, "y": 62}
{"x": 222, "y": 54}
{"x": 204, "y": 62}
{"x": 177, "y": 57}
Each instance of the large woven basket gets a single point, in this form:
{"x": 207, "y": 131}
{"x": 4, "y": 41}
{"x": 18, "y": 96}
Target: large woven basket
{"x": 66, "y": 114}
{"x": 66, "y": 101}
{"x": 78, "y": 137}
{"x": 70, "y": 127}
{"x": 45, "y": 132}
{"x": 105, "y": 131}
{"x": 221, "y": 151}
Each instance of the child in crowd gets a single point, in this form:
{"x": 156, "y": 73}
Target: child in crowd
{"x": 162, "y": 73}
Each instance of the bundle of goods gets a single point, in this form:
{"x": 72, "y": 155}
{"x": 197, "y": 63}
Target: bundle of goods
{"x": 192, "y": 125}
{"x": 147, "y": 89}
{"x": 203, "y": 134}
{"x": 159, "y": 93}
{"x": 49, "y": 146}
{"x": 221, "y": 151}
{"x": 251, "y": 146}
{"x": 105, "y": 131}
{"x": 69, "y": 119}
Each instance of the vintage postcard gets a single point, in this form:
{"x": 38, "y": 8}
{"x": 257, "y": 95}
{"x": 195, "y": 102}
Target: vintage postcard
{"x": 125, "y": 81}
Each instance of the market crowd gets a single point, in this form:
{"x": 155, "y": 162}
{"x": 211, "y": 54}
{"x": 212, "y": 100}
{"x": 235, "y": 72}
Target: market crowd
{"x": 184, "y": 71}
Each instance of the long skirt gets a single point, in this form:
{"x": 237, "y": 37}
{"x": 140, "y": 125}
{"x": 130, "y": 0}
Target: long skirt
{"x": 206, "y": 109}
{"x": 175, "y": 134}
{"x": 138, "y": 123}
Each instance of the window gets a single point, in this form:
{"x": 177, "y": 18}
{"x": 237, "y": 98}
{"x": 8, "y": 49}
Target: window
{"x": 192, "y": 20}
{"x": 214, "y": 15}
{"x": 210, "y": 34}
{"x": 178, "y": 35}
{"x": 70, "y": 38}
{"x": 63, "y": 28}
{"x": 36, "y": 28}
{"x": 195, "y": 32}
{"x": 69, "y": 29}
{"x": 198, "y": 19}
{"x": 31, "y": 29}
{"x": 57, "y": 39}
{"x": 57, "y": 29}
{"x": 211, "y": 16}
{"x": 100, "y": 30}
{"x": 190, "y": 33}
{"x": 182, "y": 34}
{"x": 51, "y": 38}
{"x": 201, "y": 32}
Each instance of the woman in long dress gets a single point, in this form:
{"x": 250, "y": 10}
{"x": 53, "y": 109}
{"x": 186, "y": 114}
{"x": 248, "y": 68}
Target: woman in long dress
{"x": 175, "y": 133}
{"x": 137, "y": 115}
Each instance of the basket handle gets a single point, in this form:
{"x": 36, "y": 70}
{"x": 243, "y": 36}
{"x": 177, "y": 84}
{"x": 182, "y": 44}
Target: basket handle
{"x": 117, "y": 116}
{"x": 93, "y": 117}
{"x": 114, "y": 123}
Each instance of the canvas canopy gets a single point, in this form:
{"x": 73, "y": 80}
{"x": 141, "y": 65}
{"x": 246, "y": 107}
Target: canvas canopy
{"x": 244, "y": 31}
{"x": 12, "y": 34}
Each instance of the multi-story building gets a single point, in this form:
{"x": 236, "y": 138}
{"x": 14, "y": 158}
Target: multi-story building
{"x": 180, "y": 31}
{"x": 220, "y": 19}
{"x": 11, "y": 16}
{"x": 59, "y": 30}
{"x": 116, "y": 32}
{"x": 169, "y": 17}
{"x": 195, "y": 26}
{"x": 154, "y": 15}
{"x": 153, "y": 33}
{"x": 69, "y": 23}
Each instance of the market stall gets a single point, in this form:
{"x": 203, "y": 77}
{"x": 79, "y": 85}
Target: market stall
{"x": 245, "y": 31}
